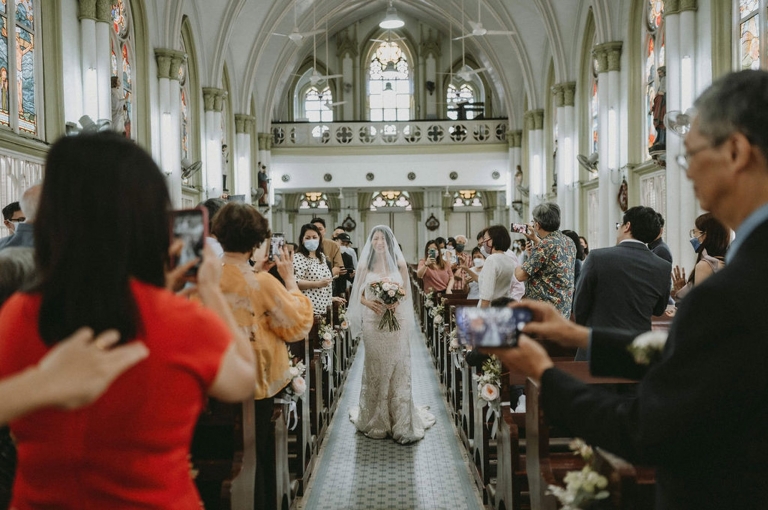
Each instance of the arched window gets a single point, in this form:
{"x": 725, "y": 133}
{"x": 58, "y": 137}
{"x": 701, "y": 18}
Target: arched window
{"x": 389, "y": 84}
{"x": 467, "y": 198}
{"x": 460, "y": 98}
{"x": 390, "y": 199}
{"x": 313, "y": 200}
{"x": 122, "y": 51}
{"x": 18, "y": 59}
{"x": 594, "y": 114}
{"x": 749, "y": 34}
{"x": 184, "y": 107}
{"x": 655, "y": 72}
{"x": 318, "y": 101}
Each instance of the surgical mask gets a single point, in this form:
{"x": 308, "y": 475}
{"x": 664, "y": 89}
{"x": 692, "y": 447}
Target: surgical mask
{"x": 459, "y": 248}
{"x": 695, "y": 243}
{"x": 484, "y": 251}
{"x": 311, "y": 244}
{"x": 479, "y": 262}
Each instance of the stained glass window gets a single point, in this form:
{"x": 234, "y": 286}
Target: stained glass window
{"x": 313, "y": 200}
{"x": 389, "y": 84}
{"x": 654, "y": 76}
{"x": 390, "y": 198}
{"x": 122, "y": 55}
{"x": 749, "y": 33}
{"x": 467, "y": 198}
{"x": 184, "y": 109}
{"x": 594, "y": 115}
{"x": 18, "y": 66}
{"x": 461, "y": 99}
{"x": 318, "y": 102}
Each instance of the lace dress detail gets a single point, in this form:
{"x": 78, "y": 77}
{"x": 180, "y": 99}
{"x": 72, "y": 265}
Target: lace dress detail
{"x": 386, "y": 399}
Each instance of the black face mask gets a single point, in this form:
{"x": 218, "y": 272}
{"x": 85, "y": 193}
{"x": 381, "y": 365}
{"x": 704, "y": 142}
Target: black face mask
{"x": 459, "y": 248}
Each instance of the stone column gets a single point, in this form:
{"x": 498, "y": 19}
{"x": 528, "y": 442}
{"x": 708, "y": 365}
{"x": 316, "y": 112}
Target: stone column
{"x": 213, "y": 100}
{"x": 567, "y": 170}
{"x": 244, "y": 125}
{"x": 515, "y": 197}
{"x": 537, "y": 177}
{"x": 169, "y": 63}
{"x": 265, "y": 156}
{"x": 103, "y": 58}
{"x": 89, "y": 62}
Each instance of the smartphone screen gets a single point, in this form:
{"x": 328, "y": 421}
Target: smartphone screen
{"x": 191, "y": 226}
{"x": 276, "y": 245}
{"x": 490, "y": 327}
{"x": 432, "y": 254}
{"x": 520, "y": 228}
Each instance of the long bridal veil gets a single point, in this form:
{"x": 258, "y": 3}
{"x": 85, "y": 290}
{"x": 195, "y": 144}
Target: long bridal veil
{"x": 389, "y": 262}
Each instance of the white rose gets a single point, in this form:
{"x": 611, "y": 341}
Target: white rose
{"x": 454, "y": 344}
{"x": 386, "y": 286}
{"x": 391, "y": 293}
{"x": 327, "y": 344}
{"x": 294, "y": 372}
{"x": 328, "y": 336}
{"x": 438, "y": 319}
{"x": 344, "y": 325}
{"x": 299, "y": 386}
{"x": 489, "y": 393}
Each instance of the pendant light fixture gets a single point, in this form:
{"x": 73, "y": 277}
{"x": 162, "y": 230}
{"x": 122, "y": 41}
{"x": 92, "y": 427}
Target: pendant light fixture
{"x": 391, "y": 20}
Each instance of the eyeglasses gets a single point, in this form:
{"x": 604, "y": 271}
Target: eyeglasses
{"x": 18, "y": 220}
{"x": 683, "y": 160}
{"x": 695, "y": 232}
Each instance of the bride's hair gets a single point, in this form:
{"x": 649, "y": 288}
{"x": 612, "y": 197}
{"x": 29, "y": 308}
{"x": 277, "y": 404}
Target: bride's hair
{"x": 389, "y": 237}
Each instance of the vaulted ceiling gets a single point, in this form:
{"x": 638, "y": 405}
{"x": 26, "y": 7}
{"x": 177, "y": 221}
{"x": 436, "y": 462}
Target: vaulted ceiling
{"x": 546, "y": 36}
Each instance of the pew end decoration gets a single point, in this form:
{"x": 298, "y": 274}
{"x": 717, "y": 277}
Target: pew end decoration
{"x": 342, "y": 317}
{"x": 584, "y": 488}
{"x": 436, "y": 312}
{"x": 327, "y": 342}
{"x": 429, "y": 300}
{"x": 489, "y": 392}
{"x": 647, "y": 348}
{"x": 294, "y": 391}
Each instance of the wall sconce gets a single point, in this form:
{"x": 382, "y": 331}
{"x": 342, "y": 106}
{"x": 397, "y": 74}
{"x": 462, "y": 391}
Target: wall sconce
{"x": 430, "y": 87}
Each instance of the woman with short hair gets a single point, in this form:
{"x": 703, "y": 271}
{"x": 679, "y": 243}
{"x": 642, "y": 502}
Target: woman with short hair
{"x": 495, "y": 280}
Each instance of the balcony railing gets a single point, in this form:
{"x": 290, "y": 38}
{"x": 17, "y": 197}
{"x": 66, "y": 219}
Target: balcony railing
{"x": 361, "y": 134}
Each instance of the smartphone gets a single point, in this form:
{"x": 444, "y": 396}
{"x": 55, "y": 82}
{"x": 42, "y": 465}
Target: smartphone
{"x": 490, "y": 327}
{"x": 276, "y": 245}
{"x": 191, "y": 226}
{"x": 433, "y": 254}
{"x": 520, "y": 228}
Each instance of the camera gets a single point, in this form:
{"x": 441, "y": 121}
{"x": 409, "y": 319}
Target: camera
{"x": 276, "y": 245}
{"x": 491, "y": 327}
{"x": 520, "y": 228}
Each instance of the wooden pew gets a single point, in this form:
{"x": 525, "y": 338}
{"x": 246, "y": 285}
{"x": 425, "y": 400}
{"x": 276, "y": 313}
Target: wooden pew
{"x": 631, "y": 487}
{"x": 224, "y": 455}
{"x": 302, "y": 441}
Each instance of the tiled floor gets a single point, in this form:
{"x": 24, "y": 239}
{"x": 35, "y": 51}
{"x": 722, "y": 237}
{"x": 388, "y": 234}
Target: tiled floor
{"x": 357, "y": 473}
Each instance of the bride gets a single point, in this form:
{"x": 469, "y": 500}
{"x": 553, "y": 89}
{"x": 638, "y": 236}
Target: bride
{"x": 386, "y": 402}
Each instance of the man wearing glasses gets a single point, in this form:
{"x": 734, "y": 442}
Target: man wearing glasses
{"x": 701, "y": 411}
{"x": 12, "y": 215}
{"x": 23, "y": 231}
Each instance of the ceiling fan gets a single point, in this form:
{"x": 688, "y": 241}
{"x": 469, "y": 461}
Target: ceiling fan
{"x": 316, "y": 77}
{"x": 466, "y": 72}
{"x": 188, "y": 168}
{"x": 589, "y": 162}
{"x": 679, "y": 122}
{"x": 296, "y": 35}
{"x": 478, "y": 30}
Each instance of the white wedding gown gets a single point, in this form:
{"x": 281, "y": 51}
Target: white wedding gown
{"x": 386, "y": 400}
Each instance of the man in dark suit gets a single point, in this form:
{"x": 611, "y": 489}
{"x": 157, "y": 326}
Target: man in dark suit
{"x": 700, "y": 413}
{"x": 622, "y": 286}
{"x": 658, "y": 246}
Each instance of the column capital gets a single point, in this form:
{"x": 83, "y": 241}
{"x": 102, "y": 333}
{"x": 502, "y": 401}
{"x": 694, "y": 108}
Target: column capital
{"x": 569, "y": 93}
{"x": 559, "y": 93}
{"x": 430, "y": 45}
{"x": 244, "y": 123}
{"x": 265, "y": 141}
{"x": 534, "y": 119}
{"x": 86, "y": 9}
{"x": 515, "y": 139}
{"x": 169, "y": 62}
{"x": 213, "y": 99}
{"x": 104, "y": 10}
{"x": 689, "y": 5}
{"x": 671, "y": 7}
{"x": 346, "y": 44}
{"x": 608, "y": 56}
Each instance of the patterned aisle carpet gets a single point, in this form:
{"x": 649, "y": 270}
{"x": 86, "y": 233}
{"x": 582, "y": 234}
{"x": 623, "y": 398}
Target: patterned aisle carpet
{"x": 357, "y": 473}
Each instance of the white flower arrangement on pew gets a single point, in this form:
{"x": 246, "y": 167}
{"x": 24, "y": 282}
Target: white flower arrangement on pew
{"x": 342, "y": 315}
{"x": 647, "y": 348}
{"x": 489, "y": 392}
{"x": 582, "y": 488}
{"x": 295, "y": 390}
{"x": 327, "y": 342}
{"x": 436, "y": 312}
{"x": 429, "y": 300}
{"x": 457, "y": 350}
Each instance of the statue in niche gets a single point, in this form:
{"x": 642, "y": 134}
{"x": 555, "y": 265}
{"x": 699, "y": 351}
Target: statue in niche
{"x": 658, "y": 110}
{"x": 118, "y": 106}
{"x": 263, "y": 183}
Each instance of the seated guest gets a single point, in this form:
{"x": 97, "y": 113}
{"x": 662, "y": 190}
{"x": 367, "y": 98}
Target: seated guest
{"x": 472, "y": 273}
{"x": 658, "y": 246}
{"x": 12, "y": 215}
{"x": 129, "y": 449}
{"x": 24, "y": 232}
{"x": 434, "y": 271}
{"x": 710, "y": 240}
{"x": 499, "y": 269}
{"x": 313, "y": 275}
{"x": 548, "y": 271}
{"x": 268, "y": 313}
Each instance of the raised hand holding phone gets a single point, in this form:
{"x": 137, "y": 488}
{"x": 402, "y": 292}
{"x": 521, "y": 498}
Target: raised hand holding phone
{"x": 191, "y": 226}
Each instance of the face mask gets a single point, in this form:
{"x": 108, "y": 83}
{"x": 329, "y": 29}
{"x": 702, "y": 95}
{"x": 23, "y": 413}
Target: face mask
{"x": 484, "y": 251}
{"x": 311, "y": 244}
{"x": 479, "y": 262}
{"x": 695, "y": 243}
{"x": 459, "y": 248}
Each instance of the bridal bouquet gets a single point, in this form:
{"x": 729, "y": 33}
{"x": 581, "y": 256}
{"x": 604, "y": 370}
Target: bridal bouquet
{"x": 389, "y": 293}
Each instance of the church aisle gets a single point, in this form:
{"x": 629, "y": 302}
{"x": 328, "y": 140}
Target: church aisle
{"x": 355, "y": 472}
